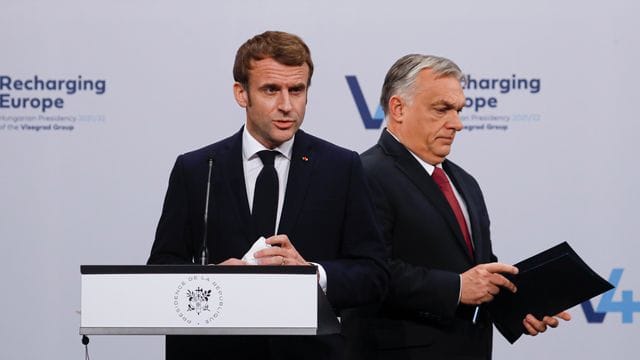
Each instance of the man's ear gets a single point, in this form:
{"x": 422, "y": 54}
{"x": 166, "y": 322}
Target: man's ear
{"x": 396, "y": 109}
{"x": 241, "y": 95}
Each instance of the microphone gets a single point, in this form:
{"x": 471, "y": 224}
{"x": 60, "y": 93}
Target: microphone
{"x": 85, "y": 342}
{"x": 204, "y": 250}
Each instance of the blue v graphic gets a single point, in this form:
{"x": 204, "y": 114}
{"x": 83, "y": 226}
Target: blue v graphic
{"x": 370, "y": 122}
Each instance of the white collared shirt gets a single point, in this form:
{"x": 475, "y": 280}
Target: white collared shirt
{"x": 252, "y": 165}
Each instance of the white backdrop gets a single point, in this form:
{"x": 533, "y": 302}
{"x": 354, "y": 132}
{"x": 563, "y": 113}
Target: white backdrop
{"x": 557, "y": 164}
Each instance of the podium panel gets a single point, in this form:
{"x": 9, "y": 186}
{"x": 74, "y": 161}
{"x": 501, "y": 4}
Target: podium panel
{"x": 199, "y": 300}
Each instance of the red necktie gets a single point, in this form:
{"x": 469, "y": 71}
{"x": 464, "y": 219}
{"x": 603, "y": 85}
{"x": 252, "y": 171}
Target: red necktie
{"x": 443, "y": 183}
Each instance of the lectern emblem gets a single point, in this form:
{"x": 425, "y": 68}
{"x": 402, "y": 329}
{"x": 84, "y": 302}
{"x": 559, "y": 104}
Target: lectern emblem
{"x": 198, "y": 300}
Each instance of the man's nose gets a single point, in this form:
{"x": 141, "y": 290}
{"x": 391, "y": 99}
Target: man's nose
{"x": 454, "y": 122}
{"x": 284, "y": 103}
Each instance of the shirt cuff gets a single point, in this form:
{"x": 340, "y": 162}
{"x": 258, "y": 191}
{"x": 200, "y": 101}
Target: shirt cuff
{"x": 322, "y": 277}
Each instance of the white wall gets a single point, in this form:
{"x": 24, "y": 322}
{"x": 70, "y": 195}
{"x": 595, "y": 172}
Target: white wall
{"x": 93, "y": 195}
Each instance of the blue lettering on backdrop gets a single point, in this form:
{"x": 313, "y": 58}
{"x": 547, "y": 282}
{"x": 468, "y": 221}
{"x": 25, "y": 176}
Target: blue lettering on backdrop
{"x": 370, "y": 122}
{"x": 626, "y": 306}
{"x": 593, "y": 317}
{"x": 70, "y": 86}
{"x": 476, "y": 103}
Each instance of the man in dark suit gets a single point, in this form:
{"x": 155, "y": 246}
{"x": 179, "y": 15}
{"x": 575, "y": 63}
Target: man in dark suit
{"x": 320, "y": 210}
{"x": 435, "y": 223}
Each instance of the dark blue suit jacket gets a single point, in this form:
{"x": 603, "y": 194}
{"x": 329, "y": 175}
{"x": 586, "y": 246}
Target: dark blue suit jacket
{"x": 420, "y": 317}
{"x": 327, "y": 215}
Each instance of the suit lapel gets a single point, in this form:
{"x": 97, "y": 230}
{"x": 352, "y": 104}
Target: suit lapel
{"x": 463, "y": 189}
{"x": 300, "y": 169}
{"x": 418, "y": 175}
{"x": 235, "y": 173}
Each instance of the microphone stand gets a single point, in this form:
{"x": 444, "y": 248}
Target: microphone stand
{"x": 204, "y": 250}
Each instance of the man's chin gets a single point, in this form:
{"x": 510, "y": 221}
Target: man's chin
{"x": 280, "y": 136}
{"x": 443, "y": 152}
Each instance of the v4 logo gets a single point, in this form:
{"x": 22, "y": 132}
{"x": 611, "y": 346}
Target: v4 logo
{"x": 370, "y": 122}
{"x": 626, "y": 306}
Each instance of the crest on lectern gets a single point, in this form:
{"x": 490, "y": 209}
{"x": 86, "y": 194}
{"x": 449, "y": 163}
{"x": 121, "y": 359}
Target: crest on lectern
{"x": 198, "y": 300}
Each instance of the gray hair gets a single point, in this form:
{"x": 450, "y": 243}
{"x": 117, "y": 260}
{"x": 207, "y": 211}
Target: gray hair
{"x": 401, "y": 78}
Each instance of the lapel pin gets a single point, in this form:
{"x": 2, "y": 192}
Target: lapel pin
{"x": 304, "y": 158}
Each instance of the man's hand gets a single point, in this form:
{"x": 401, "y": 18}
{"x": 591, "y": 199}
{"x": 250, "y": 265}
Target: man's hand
{"x": 482, "y": 282}
{"x": 535, "y": 326}
{"x": 281, "y": 252}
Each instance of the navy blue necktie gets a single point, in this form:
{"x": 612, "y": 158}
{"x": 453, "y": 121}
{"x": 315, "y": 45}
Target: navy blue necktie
{"x": 265, "y": 196}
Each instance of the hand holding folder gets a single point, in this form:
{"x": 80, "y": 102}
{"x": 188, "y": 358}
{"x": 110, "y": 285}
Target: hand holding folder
{"x": 548, "y": 283}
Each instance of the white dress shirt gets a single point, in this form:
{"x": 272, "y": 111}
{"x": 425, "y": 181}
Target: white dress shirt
{"x": 251, "y": 164}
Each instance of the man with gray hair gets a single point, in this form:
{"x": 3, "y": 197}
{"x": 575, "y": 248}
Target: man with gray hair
{"x": 435, "y": 224}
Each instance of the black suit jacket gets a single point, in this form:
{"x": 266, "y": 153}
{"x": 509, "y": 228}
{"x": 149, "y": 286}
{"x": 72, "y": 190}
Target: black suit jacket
{"x": 421, "y": 317}
{"x": 327, "y": 215}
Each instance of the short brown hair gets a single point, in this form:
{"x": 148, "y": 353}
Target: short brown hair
{"x": 286, "y": 49}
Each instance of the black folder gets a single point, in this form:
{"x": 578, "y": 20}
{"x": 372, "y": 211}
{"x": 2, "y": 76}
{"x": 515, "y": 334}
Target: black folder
{"x": 548, "y": 283}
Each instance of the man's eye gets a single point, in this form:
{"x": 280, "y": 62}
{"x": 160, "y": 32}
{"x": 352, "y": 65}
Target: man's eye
{"x": 270, "y": 90}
